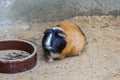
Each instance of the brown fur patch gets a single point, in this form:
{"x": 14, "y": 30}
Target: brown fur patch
{"x": 76, "y": 39}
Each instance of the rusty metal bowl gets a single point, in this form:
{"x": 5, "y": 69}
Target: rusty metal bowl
{"x": 18, "y": 65}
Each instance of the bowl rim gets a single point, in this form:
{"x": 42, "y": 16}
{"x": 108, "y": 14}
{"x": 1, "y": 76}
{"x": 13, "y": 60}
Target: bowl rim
{"x": 23, "y": 59}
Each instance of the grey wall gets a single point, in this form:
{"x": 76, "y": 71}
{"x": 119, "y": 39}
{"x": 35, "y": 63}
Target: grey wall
{"x": 45, "y": 10}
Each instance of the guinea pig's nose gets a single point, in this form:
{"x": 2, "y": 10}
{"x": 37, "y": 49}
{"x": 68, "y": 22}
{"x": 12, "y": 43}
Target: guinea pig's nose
{"x": 48, "y": 47}
{"x": 51, "y": 49}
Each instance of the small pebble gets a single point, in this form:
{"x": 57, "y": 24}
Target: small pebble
{"x": 35, "y": 37}
{"x": 26, "y": 27}
{"x": 39, "y": 43}
{"x": 57, "y": 67}
{"x": 105, "y": 55}
{"x": 93, "y": 26}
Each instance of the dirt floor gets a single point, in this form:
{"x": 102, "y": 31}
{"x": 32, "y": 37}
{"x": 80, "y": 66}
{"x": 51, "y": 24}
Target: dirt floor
{"x": 100, "y": 60}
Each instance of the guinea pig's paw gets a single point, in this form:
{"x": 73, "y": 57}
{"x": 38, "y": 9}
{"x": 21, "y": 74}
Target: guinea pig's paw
{"x": 79, "y": 54}
{"x": 50, "y": 60}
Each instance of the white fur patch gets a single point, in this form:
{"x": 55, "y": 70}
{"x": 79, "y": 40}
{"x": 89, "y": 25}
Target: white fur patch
{"x": 51, "y": 60}
{"x": 57, "y": 28}
{"x": 48, "y": 41}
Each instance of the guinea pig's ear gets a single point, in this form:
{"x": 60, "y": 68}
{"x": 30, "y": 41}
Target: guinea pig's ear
{"x": 60, "y": 33}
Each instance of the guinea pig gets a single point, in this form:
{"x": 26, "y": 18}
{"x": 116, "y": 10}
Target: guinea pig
{"x": 66, "y": 39}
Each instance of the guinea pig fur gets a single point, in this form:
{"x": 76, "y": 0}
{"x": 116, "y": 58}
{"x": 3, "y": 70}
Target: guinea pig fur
{"x": 66, "y": 39}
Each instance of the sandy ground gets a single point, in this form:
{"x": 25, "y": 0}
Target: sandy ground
{"x": 100, "y": 60}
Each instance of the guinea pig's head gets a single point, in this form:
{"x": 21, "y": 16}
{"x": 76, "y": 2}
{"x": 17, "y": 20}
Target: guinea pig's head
{"x": 54, "y": 41}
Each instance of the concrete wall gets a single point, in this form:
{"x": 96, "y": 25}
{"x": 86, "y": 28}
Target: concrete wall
{"x": 45, "y": 10}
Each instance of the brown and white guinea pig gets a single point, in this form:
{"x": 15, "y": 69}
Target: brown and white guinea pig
{"x": 66, "y": 39}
